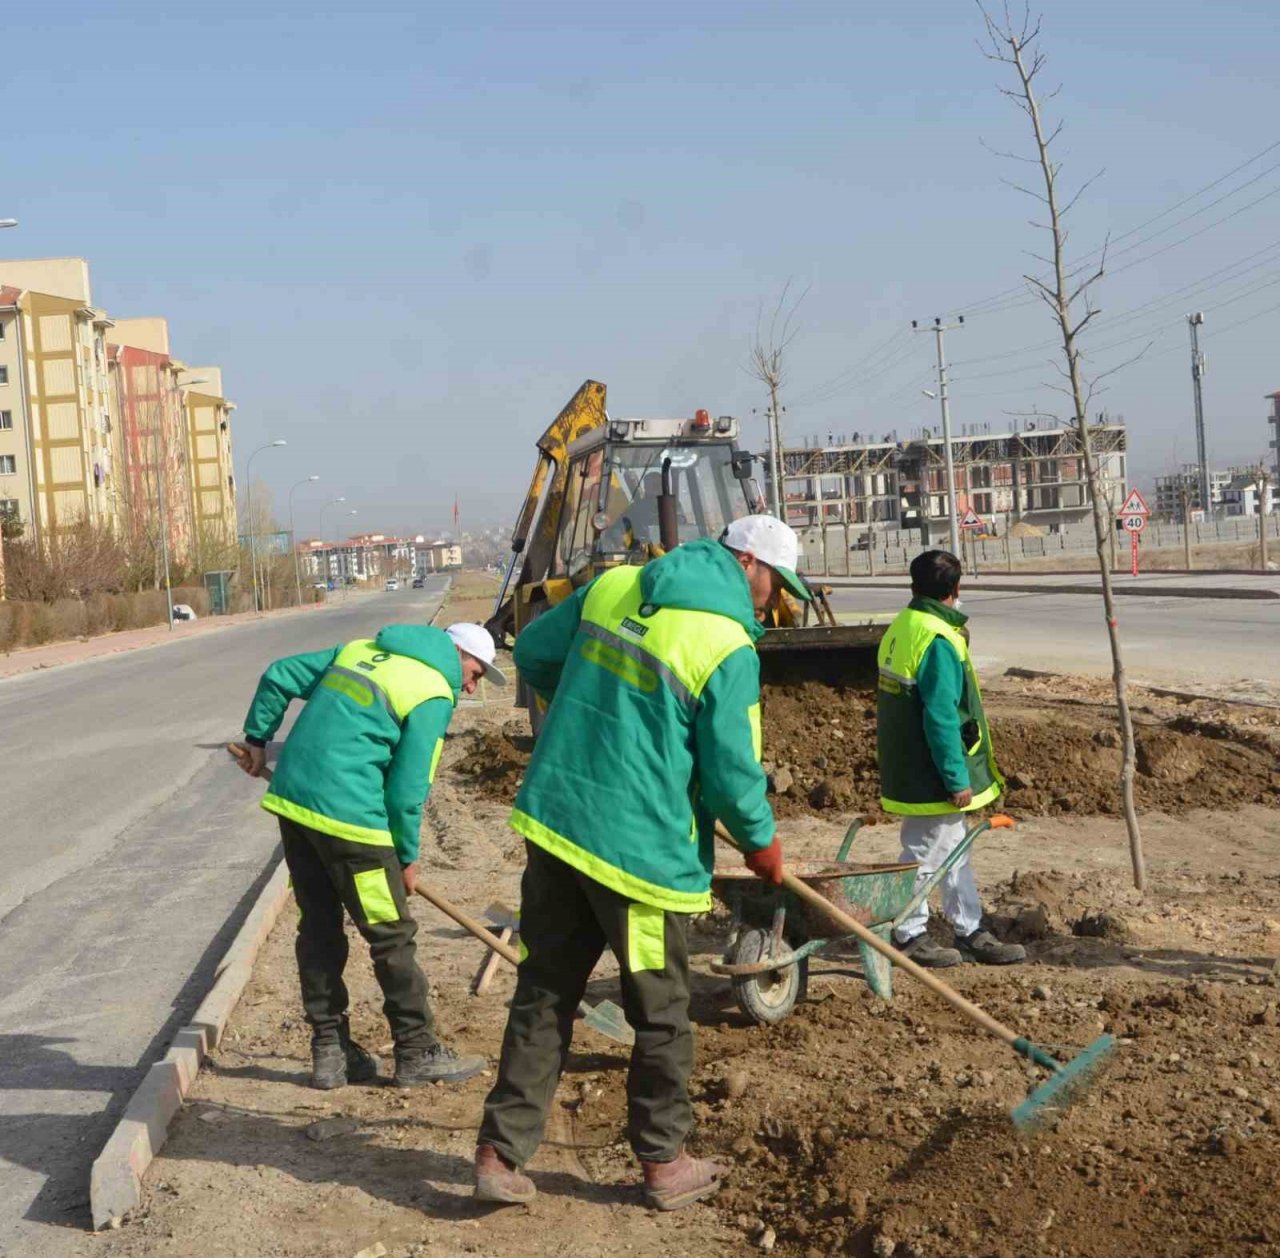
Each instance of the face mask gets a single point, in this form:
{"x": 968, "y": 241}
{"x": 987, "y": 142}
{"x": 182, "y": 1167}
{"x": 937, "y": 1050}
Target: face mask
{"x": 958, "y": 604}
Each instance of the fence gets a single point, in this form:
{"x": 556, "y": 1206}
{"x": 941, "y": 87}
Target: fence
{"x": 837, "y": 550}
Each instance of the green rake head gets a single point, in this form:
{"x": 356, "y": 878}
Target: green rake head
{"x": 1065, "y": 1082}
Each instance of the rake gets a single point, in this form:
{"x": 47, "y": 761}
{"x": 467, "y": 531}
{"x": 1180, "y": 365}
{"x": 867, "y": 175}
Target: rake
{"x": 1066, "y": 1079}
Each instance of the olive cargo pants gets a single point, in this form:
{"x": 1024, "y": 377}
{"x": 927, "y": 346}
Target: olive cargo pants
{"x": 566, "y": 919}
{"x": 328, "y": 875}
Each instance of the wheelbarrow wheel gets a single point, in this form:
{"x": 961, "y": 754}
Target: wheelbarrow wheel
{"x": 767, "y": 998}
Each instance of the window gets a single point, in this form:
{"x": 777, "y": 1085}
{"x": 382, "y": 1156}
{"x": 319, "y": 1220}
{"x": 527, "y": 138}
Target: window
{"x": 8, "y": 508}
{"x": 4, "y": 374}
{"x": 8, "y": 465}
{"x": 6, "y": 420}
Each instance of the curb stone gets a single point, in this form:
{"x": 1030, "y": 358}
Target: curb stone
{"x": 115, "y": 1181}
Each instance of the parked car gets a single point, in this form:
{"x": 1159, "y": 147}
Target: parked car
{"x": 392, "y": 583}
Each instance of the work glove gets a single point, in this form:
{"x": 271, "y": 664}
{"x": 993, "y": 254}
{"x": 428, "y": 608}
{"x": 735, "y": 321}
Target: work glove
{"x": 766, "y": 863}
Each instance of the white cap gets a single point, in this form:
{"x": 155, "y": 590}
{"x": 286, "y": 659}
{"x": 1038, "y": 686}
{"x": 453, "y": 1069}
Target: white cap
{"x": 771, "y": 542}
{"x": 477, "y": 642}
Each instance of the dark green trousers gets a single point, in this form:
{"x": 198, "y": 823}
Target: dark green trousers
{"x": 566, "y": 919}
{"x": 330, "y": 875}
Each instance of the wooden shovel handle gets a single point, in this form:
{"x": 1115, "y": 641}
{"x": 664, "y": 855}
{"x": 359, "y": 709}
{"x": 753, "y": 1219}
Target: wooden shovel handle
{"x": 803, "y": 891}
{"x": 447, "y": 907}
{"x": 467, "y": 922}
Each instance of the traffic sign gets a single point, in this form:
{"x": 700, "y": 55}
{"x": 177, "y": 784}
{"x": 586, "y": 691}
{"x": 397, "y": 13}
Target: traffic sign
{"x": 1134, "y": 504}
{"x": 1134, "y": 523}
{"x": 970, "y": 520}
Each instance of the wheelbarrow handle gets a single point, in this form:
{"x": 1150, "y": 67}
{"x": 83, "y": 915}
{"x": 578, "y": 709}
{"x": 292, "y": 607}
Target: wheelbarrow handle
{"x": 998, "y": 822}
{"x": 802, "y": 891}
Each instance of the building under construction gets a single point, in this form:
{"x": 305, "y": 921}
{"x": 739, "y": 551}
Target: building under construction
{"x": 1034, "y": 475}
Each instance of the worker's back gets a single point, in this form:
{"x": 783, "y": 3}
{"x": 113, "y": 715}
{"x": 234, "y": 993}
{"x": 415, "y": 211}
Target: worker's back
{"x": 332, "y": 771}
{"x": 654, "y": 726}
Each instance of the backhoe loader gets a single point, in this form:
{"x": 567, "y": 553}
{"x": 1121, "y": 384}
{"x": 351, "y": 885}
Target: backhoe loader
{"x": 609, "y": 491}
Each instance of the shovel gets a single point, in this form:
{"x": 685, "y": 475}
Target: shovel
{"x": 1065, "y": 1079}
{"x": 607, "y": 1018}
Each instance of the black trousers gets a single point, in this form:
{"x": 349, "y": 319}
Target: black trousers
{"x": 566, "y": 919}
{"x": 330, "y": 875}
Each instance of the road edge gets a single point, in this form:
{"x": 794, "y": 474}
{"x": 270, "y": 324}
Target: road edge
{"x": 115, "y": 1179}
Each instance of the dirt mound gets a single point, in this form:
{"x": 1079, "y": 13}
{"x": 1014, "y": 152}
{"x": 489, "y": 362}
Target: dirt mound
{"x": 495, "y": 759}
{"x": 1059, "y": 758}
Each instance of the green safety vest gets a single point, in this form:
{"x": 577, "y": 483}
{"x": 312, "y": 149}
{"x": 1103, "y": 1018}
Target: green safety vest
{"x": 909, "y": 780}
{"x": 370, "y": 694}
{"x": 637, "y": 673}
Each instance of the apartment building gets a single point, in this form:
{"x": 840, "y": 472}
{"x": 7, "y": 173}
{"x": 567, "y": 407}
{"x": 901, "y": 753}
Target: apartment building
{"x": 57, "y": 455}
{"x": 154, "y": 435}
{"x": 212, "y": 473}
{"x": 435, "y": 556}
{"x": 1032, "y": 474}
{"x": 1178, "y": 493}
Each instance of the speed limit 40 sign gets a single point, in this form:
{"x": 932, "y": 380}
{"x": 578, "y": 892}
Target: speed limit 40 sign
{"x": 1134, "y": 523}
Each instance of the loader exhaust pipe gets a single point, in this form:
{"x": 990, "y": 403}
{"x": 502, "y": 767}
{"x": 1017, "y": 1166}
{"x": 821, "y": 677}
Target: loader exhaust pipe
{"x": 668, "y": 524}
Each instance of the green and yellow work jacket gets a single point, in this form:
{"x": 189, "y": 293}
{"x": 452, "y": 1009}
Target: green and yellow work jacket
{"x": 653, "y": 729}
{"x": 362, "y": 754}
{"x": 932, "y": 735}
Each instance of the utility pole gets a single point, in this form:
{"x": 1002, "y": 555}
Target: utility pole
{"x": 1197, "y": 374}
{"x": 1186, "y": 523}
{"x": 1263, "y": 485}
{"x": 939, "y": 329}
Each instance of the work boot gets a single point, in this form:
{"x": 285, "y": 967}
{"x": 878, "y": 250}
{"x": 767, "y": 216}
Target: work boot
{"x": 671, "y": 1185}
{"x": 498, "y": 1182}
{"x": 338, "y": 1062}
{"x": 924, "y": 951}
{"x": 984, "y": 947}
{"x": 437, "y": 1064}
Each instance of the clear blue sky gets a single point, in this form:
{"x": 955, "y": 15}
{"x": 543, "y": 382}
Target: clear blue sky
{"x": 407, "y": 234}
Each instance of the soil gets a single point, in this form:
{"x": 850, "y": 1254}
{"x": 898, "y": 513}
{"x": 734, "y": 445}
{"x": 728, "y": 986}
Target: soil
{"x": 856, "y": 1126}
{"x": 1060, "y": 752}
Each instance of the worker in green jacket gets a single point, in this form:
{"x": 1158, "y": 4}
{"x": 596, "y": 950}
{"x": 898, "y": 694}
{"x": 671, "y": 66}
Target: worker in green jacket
{"x": 653, "y": 732}
{"x": 937, "y": 764}
{"x": 348, "y": 790}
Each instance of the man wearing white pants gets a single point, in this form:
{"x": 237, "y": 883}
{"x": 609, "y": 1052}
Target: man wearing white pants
{"x": 936, "y": 760}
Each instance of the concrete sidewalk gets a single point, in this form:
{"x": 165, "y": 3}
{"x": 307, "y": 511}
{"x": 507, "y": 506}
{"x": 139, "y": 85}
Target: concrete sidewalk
{"x": 77, "y": 650}
{"x": 1246, "y": 585}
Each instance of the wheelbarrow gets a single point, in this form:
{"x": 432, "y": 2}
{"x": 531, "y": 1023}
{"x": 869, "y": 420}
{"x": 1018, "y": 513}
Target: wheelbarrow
{"x": 773, "y": 933}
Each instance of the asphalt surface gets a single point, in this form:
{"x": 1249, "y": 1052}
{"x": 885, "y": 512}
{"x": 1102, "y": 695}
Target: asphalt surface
{"x": 1182, "y": 643}
{"x": 130, "y": 850}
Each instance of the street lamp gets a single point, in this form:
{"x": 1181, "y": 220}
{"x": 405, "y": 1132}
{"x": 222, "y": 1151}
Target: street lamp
{"x": 248, "y": 503}
{"x": 293, "y": 537}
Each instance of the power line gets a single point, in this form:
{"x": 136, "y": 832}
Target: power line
{"x": 980, "y": 305}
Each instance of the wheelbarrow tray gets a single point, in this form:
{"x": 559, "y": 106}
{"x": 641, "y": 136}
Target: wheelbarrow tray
{"x": 871, "y": 893}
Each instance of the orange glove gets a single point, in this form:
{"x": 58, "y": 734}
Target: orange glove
{"x": 766, "y": 864}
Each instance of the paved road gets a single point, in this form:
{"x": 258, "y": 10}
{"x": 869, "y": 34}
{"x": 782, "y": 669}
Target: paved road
{"x": 1225, "y": 644}
{"x": 129, "y": 851}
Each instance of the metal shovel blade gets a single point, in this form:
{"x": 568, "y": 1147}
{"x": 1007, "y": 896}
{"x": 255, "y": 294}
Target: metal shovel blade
{"x": 608, "y": 1019}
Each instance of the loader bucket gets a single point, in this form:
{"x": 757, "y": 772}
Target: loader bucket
{"x": 832, "y": 655}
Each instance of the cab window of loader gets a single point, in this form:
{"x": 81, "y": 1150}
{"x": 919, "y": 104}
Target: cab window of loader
{"x": 576, "y": 532}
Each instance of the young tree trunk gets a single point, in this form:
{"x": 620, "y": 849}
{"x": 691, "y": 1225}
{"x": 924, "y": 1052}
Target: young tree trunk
{"x": 1011, "y": 48}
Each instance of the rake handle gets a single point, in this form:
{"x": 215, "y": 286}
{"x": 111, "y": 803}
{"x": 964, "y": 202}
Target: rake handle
{"x": 971, "y": 1011}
